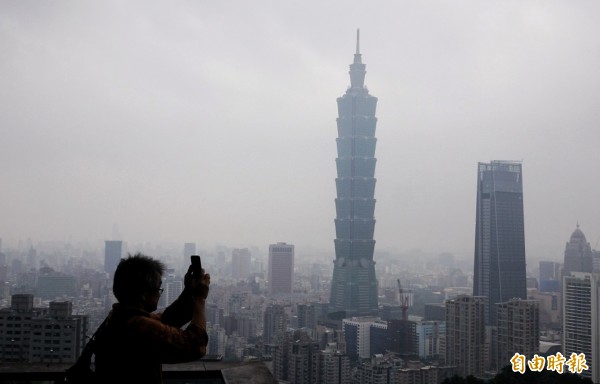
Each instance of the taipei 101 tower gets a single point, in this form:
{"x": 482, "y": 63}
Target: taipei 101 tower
{"x": 354, "y": 286}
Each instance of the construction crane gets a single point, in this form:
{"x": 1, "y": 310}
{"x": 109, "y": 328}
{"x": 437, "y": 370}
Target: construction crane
{"x": 405, "y": 296}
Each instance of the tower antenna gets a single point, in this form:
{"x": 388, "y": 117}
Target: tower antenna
{"x": 357, "y": 41}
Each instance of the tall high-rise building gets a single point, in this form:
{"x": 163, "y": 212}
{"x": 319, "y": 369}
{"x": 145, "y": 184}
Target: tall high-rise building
{"x": 274, "y": 324}
{"x": 596, "y": 260}
{"x": 465, "y": 334}
{"x": 240, "y": 263}
{"x": 380, "y": 369}
{"x": 499, "y": 236}
{"x": 549, "y": 276}
{"x": 217, "y": 340}
{"x": 518, "y": 330}
{"x": 173, "y": 286}
{"x": 334, "y": 367}
{"x": 307, "y": 318}
{"x": 581, "y": 320}
{"x": 281, "y": 268}
{"x": 303, "y": 359}
{"x": 113, "y": 250}
{"x": 354, "y": 285}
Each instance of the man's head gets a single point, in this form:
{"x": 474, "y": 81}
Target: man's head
{"x": 138, "y": 280}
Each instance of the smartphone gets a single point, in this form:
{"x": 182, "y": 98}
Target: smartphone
{"x": 196, "y": 264}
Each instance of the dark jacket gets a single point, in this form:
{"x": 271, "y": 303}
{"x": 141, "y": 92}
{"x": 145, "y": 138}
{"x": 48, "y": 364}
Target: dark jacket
{"x": 134, "y": 344}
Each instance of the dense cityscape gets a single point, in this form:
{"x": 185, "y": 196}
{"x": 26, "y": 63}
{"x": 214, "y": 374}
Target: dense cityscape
{"x": 354, "y": 315}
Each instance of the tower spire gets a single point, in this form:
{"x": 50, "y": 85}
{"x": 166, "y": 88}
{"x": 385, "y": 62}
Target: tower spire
{"x": 357, "y": 55}
{"x": 357, "y": 68}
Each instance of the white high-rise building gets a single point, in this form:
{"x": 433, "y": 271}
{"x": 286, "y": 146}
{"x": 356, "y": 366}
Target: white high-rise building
{"x": 172, "y": 289}
{"x": 357, "y": 333}
{"x": 581, "y": 321}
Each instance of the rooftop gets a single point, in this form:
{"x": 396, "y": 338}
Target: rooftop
{"x": 213, "y": 372}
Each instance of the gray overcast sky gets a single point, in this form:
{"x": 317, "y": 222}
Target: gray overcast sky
{"x": 214, "y": 121}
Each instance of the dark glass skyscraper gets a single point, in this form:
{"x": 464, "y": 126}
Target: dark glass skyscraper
{"x": 354, "y": 286}
{"x": 499, "y": 236}
{"x": 112, "y": 255}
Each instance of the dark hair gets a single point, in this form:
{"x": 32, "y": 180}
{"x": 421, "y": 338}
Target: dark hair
{"x": 135, "y": 275}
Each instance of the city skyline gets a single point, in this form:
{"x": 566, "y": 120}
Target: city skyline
{"x": 170, "y": 124}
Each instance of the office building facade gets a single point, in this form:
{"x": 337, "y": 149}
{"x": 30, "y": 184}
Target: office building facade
{"x": 581, "y": 320}
{"x": 113, "y": 250}
{"x": 307, "y": 316}
{"x": 274, "y": 324}
{"x": 173, "y": 286}
{"x": 518, "y": 330}
{"x": 402, "y": 338}
{"x": 281, "y": 269}
{"x": 357, "y": 334}
{"x": 550, "y": 276}
{"x": 240, "y": 263}
{"x": 499, "y": 273}
{"x": 354, "y": 285}
{"x": 303, "y": 359}
{"x": 465, "y": 335}
{"x": 334, "y": 367}
{"x": 41, "y": 335}
{"x": 378, "y": 337}
{"x": 429, "y": 335}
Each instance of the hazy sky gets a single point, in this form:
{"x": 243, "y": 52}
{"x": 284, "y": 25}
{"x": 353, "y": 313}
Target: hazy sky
{"x": 215, "y": 121}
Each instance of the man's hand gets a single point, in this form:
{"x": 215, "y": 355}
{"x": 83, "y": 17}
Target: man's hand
{"x": 197, "y": 285}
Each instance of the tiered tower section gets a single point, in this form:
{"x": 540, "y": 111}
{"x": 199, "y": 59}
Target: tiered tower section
{"x": 354, "y": 285}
